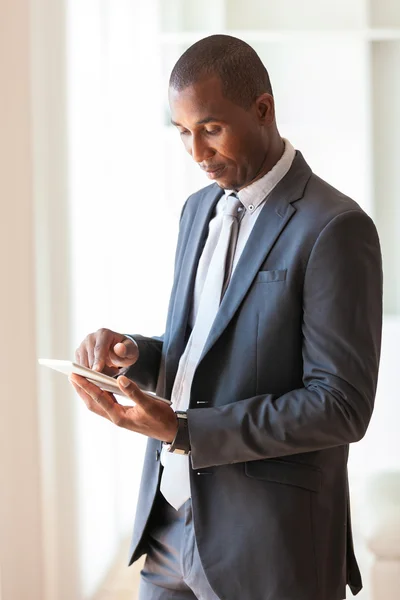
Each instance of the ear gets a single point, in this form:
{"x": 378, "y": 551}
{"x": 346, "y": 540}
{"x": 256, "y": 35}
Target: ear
{"x": 265, "y": 108}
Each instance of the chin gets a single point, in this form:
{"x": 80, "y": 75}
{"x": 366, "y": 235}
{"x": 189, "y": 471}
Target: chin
{"x": 223, "y": 186}
{"x": 226, "y": 185}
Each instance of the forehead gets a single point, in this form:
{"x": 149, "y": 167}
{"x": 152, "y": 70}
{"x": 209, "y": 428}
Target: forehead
{"x": 200, "y": 101}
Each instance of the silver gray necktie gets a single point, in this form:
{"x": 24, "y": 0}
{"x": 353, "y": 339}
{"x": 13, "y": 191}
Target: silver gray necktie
{"x": 175, "y": 483}
{"x": 234, "y": 209}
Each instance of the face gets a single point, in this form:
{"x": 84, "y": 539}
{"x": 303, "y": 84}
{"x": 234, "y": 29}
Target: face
{"x": 227, "y": 141}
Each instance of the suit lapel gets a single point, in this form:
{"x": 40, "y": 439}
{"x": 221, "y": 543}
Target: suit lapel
{"x": 184, "y": 291}
{"x": 273, "y": 218}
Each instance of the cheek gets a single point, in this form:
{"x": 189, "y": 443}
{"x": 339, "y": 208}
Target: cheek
{"x": 231, "y": 148}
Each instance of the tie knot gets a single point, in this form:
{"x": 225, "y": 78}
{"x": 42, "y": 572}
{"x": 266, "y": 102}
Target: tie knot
{"x": 233, "y": 207}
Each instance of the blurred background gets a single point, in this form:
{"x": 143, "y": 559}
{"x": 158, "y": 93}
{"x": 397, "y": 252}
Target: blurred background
{"x": 92, "y": 180}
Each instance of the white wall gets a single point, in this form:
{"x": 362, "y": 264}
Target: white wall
{"x": 380, "y": 448}
{"x": 21, "y": 551}
{"x": 117, "y": 225}
{"x": 57, "y": 409}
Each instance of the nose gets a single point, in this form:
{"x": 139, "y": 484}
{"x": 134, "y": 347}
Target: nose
{"x": 199, "y": 148}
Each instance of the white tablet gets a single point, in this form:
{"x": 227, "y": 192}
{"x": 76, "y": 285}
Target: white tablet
{"x": 103, "y": 381}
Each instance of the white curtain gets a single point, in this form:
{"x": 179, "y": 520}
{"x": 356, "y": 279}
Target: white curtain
{"x": 123, "y": 238}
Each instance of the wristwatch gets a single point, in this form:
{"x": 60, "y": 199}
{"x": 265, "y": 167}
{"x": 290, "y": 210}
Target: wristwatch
{"x": 181, "y": 442}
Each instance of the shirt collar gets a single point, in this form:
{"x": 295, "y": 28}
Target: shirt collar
{"x": 254, "y": 194}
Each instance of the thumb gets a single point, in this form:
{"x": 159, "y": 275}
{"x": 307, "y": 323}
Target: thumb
{"x": 131, "y": 390}
{"x": 125, "y": 353}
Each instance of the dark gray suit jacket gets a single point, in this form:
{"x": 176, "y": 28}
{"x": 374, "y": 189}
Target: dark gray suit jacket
{"x": 286, "y": 381}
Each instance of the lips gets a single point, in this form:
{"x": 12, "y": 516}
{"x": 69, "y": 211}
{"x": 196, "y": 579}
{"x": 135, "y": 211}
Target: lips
{"x": 214, "y": 172}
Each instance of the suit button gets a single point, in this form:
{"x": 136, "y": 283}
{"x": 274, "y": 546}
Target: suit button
{"x": 158, "y": 453}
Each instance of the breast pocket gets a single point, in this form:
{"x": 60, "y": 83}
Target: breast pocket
{"x": 271, "y": 276}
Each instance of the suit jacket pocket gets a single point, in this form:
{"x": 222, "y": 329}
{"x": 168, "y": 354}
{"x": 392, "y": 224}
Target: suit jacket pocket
{"x": 289, "y": 473}
{"x": 271, "y": 276}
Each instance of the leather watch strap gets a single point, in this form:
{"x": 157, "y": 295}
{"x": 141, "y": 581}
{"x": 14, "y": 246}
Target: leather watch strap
{"x": 181, "y": 443}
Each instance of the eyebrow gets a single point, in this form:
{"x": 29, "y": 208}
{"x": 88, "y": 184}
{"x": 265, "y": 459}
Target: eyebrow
{"x": 201, "y": 122}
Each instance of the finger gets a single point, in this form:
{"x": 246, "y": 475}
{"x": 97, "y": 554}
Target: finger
{"x": 91, "y": 404}
{"x": 90, "y": 350}
{"x": 93, "y": 390}
{"x": 81, "y": 356}
{"x": 124, "y": 353}
{"x": 101, "y": 349}
{"x": 88, "y": 400}
{"x": 103, "y": 401}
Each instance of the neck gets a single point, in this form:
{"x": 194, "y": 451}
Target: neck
{"x": 272, "y": 156}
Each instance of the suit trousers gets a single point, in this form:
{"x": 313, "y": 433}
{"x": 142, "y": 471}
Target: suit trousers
{"x": 173, "y": 569}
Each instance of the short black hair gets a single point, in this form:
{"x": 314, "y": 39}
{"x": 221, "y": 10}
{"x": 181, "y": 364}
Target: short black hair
{"x": 238, "y": 66}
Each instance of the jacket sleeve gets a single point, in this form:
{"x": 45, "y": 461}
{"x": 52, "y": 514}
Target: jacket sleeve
{"x": 341, "y": 336}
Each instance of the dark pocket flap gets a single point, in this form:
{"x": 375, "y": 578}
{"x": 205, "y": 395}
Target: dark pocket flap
{"x": 290, "y": 473}
{"x": 270, "y": 276}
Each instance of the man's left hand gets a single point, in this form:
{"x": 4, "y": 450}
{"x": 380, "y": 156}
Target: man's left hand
{"x": 149, "y": 416}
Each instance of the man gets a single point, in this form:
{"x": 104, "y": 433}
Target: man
{"x": 270, "y": 356}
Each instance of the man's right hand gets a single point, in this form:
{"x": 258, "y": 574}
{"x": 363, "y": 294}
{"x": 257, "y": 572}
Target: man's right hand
{"x": 107, "y": 351}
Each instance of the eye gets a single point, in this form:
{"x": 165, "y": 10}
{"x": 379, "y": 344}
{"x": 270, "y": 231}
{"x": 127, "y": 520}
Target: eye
{"x": 214, "y": 131}
{"x": 183, "y": 132}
